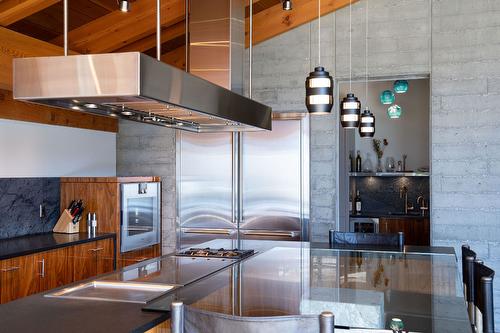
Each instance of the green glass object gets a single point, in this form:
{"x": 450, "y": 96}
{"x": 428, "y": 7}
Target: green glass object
{"x": 396, "y": 325}
{"x": 394, "y": 111}
{"x": 387, "y": 97}
{"x": 400, "y": 86}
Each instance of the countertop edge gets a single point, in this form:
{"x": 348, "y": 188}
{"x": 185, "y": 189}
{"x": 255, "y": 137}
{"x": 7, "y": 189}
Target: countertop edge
{"x": 57, "y": 246}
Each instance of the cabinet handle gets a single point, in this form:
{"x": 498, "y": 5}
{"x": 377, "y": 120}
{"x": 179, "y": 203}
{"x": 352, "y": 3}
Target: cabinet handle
{"x": 141, "y": 259}
{"x": 96, "y": 249}
{"x": 10, "y": 269}
{"x": 42, "y": 274}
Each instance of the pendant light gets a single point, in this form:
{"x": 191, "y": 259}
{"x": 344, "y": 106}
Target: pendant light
{"x": 394, "y": 111}
{"x": 387, "y": 97}
{"x": 400, "y": 86}
{"x": 367, "y": 125}
{"x": 350, "y": 107}
{"x": 319, "y": 84}
{"x": 124, "y": 6}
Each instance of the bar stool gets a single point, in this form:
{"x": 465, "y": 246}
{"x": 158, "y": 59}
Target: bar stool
{"x": 468, "y": 258}
{"x": 186, "y": 319}
{"x": 483, "y": 298}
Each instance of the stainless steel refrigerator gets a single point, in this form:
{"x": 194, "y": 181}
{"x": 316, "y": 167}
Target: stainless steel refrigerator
{"x": 244, "y": 186}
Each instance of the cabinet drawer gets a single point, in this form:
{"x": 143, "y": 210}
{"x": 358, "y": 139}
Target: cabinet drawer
{"x": 18, "y": 278}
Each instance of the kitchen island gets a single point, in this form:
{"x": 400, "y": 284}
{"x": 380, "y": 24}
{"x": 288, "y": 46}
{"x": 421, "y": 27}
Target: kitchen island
{"x": 363, "y": 288}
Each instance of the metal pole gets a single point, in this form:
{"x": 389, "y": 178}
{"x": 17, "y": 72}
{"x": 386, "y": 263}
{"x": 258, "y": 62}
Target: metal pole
{"x": 250, "y": 50}
{"x": 177, "y": 317}
{"x": 158, "y": 30}
{"x": 326, "y": 322}
{"x": 65, "y": 26}
{"x": 186, "y": 6}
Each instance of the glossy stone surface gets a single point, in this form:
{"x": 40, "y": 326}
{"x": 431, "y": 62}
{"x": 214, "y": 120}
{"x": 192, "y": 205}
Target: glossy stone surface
{"x": 20, "y": 200}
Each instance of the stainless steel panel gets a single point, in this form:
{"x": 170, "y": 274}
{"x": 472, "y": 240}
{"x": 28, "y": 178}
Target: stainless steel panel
{"x": 191, "y": 237}
{"x": 272, "y": 168}
{"x": 205, "y": 188}
{"x": 136, "y": 87}
{"x": 114, "y": 291}
{"x": 285, "y": 235}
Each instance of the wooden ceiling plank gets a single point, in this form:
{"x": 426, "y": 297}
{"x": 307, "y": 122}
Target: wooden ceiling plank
{"x": 274, "y": 20}
{"x": 176, "y": 58}
{"x": 12, "y": 11}
{"x": 144, "y": 44}
{"x": 117, "y": 29}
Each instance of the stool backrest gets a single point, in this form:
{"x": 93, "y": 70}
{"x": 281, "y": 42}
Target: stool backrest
{"x": 361, "y": 238}
{"x": 483, "y": 298}
{"x": 468, "y": 258}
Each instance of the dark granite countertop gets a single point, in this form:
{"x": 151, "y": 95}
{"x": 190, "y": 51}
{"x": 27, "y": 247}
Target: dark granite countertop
{"x": 19, "y": 246}
{"x": 394, "y": 215}
{"x": 274, "y": 261}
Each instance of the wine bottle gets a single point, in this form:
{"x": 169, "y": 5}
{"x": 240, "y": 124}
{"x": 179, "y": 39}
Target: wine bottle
{"x": 351, "y": 163}
{"x": 358, "y": 162}
{"x": 358, "y": 203}
{"x": 350, "y": 204}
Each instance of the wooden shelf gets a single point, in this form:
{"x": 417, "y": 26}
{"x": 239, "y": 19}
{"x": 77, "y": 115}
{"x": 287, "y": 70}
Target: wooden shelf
{"x": 389, "y": 174}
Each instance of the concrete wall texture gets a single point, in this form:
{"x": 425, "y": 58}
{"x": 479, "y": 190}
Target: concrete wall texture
{"x": 457, "y": 43}
{"x": 145, "y": 150}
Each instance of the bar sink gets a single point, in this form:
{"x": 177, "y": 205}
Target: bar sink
{"x": 115, "y": 291}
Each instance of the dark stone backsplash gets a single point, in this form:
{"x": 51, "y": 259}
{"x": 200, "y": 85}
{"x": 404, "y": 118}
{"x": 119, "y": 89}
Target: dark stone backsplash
{"x": 20, "y": 200}
{"x": 381, "y": 194}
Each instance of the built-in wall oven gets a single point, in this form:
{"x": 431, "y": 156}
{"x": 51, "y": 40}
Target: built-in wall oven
{"x": 140, "y": 215}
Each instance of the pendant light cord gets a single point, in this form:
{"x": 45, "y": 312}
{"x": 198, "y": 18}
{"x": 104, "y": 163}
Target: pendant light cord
{"x": 350, "y": 47}
{"x": 366, "y": 53}
{"x": 65, "y": 26}
{"x": 319, "y": 32}
{"x": 158, "y": 30}
{"x": 250, "y": 49}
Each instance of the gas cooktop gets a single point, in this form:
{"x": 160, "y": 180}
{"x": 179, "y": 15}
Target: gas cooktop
{"x": 216, "y": 253}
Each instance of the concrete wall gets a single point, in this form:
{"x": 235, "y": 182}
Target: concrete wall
{"x": 465, "y": 135}
{"x": 38, "y": 150}
{"x": 457, "y": 42}
{"x": 146, "y": 150}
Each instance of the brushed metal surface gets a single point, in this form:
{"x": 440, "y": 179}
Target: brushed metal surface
{"x": 136, "y": 87}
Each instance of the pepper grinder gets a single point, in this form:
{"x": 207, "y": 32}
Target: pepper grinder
{"x": 94, "y": 224}
{"x": 89, "y": 223}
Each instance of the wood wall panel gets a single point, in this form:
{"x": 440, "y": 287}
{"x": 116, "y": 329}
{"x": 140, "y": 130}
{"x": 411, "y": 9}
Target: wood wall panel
{"x": 14, "y": 10}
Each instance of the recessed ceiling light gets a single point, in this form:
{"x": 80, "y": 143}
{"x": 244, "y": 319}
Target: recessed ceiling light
{"x": 125, "y": 6}
{"x": 127, "y": 113}
{"x": 91, "y": 106}
{"x": 287, "y": 5}
{"x": 180, "y": 124}
{"x": 75, "y": 107}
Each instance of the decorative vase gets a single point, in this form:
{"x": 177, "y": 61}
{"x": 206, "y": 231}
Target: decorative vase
{"x": 380, "y": 167}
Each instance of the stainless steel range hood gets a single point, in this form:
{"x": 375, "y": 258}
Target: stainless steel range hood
{"x": 136, "y": 87}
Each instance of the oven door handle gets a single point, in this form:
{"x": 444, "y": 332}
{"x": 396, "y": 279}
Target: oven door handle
{"x": 290, "y": 234}
{"x": 208, "y": 231}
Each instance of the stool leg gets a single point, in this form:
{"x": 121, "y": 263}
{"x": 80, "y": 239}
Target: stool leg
{"x": 177, "y": 317}
{"x": 326, "y": 322}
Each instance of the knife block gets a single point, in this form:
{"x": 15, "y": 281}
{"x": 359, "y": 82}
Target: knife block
{"x": 65, "y": 224}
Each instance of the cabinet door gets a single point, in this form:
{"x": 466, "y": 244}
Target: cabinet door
{"x": 133, "y": 257}
{"x": 18, "y": 278}
{"x": 54, "y": 268}
{"x": 105, "y": 256}
{"x": 84, "y": 262}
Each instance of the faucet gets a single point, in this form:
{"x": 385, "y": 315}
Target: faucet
{"x": 423, "y": 205}
{"x": 403, "y": 193}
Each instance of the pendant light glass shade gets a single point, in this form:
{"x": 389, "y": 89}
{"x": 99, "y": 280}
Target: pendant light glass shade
{"x": 349, "y": 111}
{"x": 319, "y": 91}
{"x": 400, "y": 86}
{"x": 387, "y": 97}
{"x": 367, "y": 124}
{"x": 394, "y": 111}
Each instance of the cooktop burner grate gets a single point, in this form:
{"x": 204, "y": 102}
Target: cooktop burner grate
{"x": 216, "y": 253}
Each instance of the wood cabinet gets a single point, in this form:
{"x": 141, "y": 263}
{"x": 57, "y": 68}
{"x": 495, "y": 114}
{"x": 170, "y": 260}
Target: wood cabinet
{"x": 54, "y": 268}
{"x": 18, "y": 278}
{"x": 416, "y": 230}
{"x": 133, "y": 257}
{"x": 26, "y": 275}
{"x": 91, "y": 259}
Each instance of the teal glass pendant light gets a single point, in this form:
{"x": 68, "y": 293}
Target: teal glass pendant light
{"x": 394, "y": 111}
{"x": 400, "y": 86}
{"x": 387, "y": 97}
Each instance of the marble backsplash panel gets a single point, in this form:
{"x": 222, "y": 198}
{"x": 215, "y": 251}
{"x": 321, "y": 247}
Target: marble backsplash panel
{"x": 381, "y": 194}
{"x": 20, "y": 200}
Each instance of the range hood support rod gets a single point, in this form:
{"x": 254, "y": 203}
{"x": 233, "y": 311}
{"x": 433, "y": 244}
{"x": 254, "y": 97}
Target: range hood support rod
{"x": 250, "y": 49}
{"x": 158, "y": 30}
{"x": 65, "y": 26}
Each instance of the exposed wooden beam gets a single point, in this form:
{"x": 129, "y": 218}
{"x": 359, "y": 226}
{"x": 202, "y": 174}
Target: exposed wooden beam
{"x": 116, "y": 29}
{"x": 12, "y": 11}
{"x": 14, "y": 110}
{"x": 176, "y": 58}
{"x": 274, "y": 20}
{"x": 144, "y": 44}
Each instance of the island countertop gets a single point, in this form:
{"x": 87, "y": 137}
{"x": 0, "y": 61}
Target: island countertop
{"x": 281, "y": 278}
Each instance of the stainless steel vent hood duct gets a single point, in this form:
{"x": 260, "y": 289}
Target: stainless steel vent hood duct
{"x": 136, "y": 87}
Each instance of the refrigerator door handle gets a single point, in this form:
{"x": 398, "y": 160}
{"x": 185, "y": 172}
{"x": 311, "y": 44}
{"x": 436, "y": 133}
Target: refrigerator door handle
{"x": 207, "y": 231}
{"x": 290, "y": 234}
